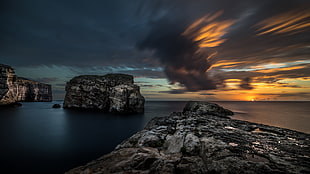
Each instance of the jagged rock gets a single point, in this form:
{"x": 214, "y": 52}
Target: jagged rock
{"x": 110, "y": 93}
{"x": 191, "y": 142}
{"x": 14, "y": 89}
{"x": 56, "y": 106}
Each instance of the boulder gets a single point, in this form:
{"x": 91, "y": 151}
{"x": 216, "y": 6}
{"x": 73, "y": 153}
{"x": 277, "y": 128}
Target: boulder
{"x": 196, "y": 142}
{"x": 14, "y": 89}
{"x": 56, "y": 106}
{"x": 115, "y": 93}
{"x": 206, "y": 108}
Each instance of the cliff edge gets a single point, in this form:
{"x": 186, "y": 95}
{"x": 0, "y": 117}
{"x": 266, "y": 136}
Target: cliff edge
{"x": 15, "y": 89}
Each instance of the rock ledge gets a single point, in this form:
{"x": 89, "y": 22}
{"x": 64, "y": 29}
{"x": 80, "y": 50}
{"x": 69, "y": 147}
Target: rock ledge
{"x": 195, "y": 142}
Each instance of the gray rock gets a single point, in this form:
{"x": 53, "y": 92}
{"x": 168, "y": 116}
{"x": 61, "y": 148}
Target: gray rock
{"x": 198, "y": 143}
{"x": 111, "y": 93}
{"x": 174, "y": 143}
{"x": 14, "y": 89}
{"x": 206, "y": 108}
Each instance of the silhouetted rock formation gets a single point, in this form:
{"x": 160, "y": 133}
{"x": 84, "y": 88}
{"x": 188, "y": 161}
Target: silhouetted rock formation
{"x": 207, "y": 108}
{"x": 110, "y": 93}
{"x": 56, "y": 106}
{"x": 198, "y": 141}
{"x": 14, "y": 89}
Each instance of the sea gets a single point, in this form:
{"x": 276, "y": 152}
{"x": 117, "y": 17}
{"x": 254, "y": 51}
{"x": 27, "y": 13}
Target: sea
{"x": 36, "y": 138}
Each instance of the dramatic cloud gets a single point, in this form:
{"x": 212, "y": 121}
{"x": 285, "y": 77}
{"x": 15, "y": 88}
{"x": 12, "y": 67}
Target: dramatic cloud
{"x": 197, "y": 45}
{"x": 246, "y": 83}
{"x": 227, "y": 44}
{"x": 73, "y": 32}
{"x": 206, "y": 94}
{"x": 207, "y": 31}
{"x": 291, "y": 22}
{"x": 181, "y": 52}
{"x": 174, "y": 91}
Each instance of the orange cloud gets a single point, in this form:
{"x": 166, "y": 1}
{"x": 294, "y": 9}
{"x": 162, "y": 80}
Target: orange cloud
{"x": 226, "y": 63}
{"x": 281, "y": 69}
{"x": 289, "y": 22}
{"x": 207, "y": 31}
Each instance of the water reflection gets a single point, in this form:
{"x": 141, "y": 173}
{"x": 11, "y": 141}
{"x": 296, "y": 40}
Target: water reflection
{"x": 36, "y": 137}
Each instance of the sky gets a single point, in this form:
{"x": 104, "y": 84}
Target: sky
{"x": 213, "y": 50}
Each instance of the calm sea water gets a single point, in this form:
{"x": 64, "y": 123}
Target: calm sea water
{"x": 35, "y": 138}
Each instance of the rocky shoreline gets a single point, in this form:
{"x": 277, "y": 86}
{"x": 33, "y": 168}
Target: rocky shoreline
{"x": 203, "y": 139}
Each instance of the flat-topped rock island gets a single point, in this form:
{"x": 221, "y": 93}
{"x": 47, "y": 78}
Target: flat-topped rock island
{"x": 114, "y": 93}
{"x": 203, "y": 139}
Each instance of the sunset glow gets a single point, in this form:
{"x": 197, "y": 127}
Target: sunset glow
{"x": 154, "y": 86}
{"x": 176, "y": 50}
{"x": 289, "y": 22}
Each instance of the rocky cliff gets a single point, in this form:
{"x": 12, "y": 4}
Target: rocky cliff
{"x": 202, "y": 139}
{"x": 14, "y": 89}
{"x": 110, "y": 93}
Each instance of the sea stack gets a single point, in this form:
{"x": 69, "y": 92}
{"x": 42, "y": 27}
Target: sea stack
{"x": 15, "y": 89}
{"x": 114, "y": 93}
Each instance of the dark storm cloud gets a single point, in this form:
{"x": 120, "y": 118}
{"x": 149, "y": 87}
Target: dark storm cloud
{"x": 246, "y": 83}
{"x": 79, "y": 33}
{"x": 288, "y": 85}
{"x": 174, "y": 91}
{"x": 206, "y": 94}
{"x": 174, "y": 52}
{"x": 244, "y": 43}
{"x": 148, "y": 34}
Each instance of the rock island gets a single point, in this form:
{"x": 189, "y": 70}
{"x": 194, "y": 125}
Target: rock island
{"x": 114, "y": 93}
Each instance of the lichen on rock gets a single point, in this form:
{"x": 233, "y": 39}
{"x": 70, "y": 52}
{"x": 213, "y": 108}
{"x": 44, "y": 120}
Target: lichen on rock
{"x": 115, "y": 93}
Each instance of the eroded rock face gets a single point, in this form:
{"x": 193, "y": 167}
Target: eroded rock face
{"x": 14, "y": 89}
{"x": 110, "y": 93}
{"x": 191, "y": 142}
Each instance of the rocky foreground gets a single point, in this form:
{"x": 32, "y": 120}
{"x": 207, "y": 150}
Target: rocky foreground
{"x": 15, "y": 89}
{"x": 203, "y": 139}
{"x": 110, "y": 93}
